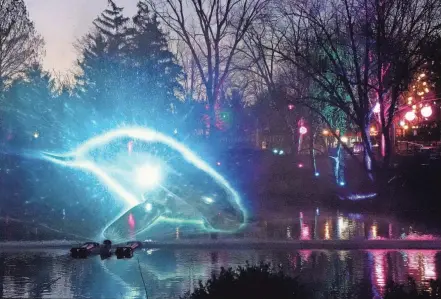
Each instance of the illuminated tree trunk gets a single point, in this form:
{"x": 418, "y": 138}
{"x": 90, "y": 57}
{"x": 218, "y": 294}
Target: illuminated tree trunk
{"x": 312, "y": 153}
{"x": 368, "y": 155}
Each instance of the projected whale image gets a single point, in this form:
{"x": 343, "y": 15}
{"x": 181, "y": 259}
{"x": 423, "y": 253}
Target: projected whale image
{"x": 158, "y": 179}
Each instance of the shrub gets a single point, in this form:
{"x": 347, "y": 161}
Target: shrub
{"x": 260, "y": 281}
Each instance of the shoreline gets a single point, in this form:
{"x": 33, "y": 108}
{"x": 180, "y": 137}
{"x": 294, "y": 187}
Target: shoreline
{"x": 253, "y": 244}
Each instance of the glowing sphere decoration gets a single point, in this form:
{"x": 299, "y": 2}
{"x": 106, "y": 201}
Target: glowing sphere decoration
{"x": 426, "y": 111}
{"x": 157, "y": 182}
{"x": 410, "y": 116}
{"x": 303, "y": 130}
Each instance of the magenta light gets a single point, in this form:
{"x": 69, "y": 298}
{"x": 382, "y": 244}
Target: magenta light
{"x": 417, "y": 237}
{"x": 131, "y": 221}
{"x": 426, "y": 111}
{"x": 303, "y": 130}
{"x": 305, "y": 235}
{"x": 300, "y": 165}
{"x": 290, "y": 106}
{"x": 410, "y": 116}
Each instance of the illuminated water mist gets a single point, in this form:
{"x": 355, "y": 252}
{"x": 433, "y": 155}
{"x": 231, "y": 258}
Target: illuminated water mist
{"x": 158, "y": 179}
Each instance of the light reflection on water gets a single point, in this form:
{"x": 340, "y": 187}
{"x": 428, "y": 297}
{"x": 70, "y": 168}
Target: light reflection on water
{"x": 334, "y": 226}
{"x": 168, "y": 274}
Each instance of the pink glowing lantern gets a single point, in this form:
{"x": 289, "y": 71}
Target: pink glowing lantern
{"x": 290, "y": 107}
{"x": 426, "y": 111}
{"x": 410, "y": 116}
{"x": 303, "y": 130}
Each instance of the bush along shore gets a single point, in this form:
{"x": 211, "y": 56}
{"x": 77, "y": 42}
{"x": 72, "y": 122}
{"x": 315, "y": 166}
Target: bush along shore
{"x": 264, "y": 281}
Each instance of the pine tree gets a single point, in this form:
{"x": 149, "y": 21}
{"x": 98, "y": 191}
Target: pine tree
{"x": 113, "y": 26}
{"x": 103, "y": 66}
{"x": 155, "y": 73}
{"x": 93, "y": 66}
{"x": 33, "y": 113}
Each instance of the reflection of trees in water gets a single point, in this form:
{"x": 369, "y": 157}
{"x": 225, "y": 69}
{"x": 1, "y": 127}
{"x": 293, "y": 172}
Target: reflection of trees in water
{"x": 339, "y": 274}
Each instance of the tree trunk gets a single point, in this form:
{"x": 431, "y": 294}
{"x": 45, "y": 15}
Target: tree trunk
{"x": 211, "y": 99}
{"x": 368, "y": 156}
{"x": 312, "y": 153}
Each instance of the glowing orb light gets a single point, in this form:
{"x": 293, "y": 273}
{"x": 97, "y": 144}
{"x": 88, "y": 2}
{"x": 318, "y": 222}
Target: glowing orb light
{"x": 377, "y": 108}
{"x": 208, "y": 200}
{"x": 410, "y": 116}
{"x": 426, "y": 111}
{"x": 402, "y": 123}
{"x": 148, "y": 176}
{"x": 303, "y": 130}
{"x": 36, "y": 134}
{"x": 186, "y": 177}
{"x": 148, "y": 207}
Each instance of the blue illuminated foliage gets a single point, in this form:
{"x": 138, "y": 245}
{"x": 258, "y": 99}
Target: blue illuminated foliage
{"x": 127, "y": 77}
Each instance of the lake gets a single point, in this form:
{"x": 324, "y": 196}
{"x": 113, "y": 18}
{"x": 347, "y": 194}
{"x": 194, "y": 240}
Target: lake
{"x": 51, "y": 273}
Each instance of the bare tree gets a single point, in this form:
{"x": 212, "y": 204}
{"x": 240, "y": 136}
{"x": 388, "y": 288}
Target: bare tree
{"x": 212, "y": 30}
{"x": 192, "y": 84}
{"x": 20, "y": 45}
{"x": 357, "y": 54}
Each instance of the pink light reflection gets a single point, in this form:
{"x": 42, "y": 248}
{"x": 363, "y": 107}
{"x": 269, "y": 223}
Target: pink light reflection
{"x": 421, "y": 265}
{"x": 379, "y": 270}
{"x": 305, "y": 255}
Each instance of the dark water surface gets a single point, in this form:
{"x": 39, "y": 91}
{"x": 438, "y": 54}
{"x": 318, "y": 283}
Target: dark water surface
{"x": 168, "y": 274}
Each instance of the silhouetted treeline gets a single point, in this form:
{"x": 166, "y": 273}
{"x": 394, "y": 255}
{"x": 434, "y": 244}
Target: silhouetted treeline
{"x": 263, "y": 282}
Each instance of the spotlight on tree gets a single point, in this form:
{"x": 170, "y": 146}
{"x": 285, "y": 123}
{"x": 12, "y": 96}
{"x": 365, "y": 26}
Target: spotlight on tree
{"x": 377, "y": 108}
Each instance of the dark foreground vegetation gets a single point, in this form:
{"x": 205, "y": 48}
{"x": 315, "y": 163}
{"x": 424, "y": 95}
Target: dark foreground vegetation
{"x": 264, "y": 281}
